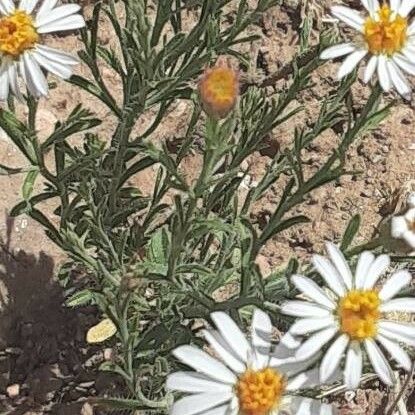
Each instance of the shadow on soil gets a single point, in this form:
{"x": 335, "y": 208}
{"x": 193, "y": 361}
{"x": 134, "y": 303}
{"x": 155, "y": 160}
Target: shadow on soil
{"x": 42, "y": 347}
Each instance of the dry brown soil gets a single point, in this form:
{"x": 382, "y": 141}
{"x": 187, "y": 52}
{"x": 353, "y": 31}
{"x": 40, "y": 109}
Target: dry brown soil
{"x": 45, "y": 361}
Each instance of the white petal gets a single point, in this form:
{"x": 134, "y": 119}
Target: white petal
{"x": 411, "y": 29}
{"x": 56, "y": 55}
{"x": 395, "y": 5}
{"x": 310, "y": 325}
{"x": 4, "y": 82}
{"x": 379, "y": 362}
{"x": 370, "y": 69}
{"x": 307, "y": 379}
{"x": 340, "y": 263}
{"x": 397, "y": 353}
{"x": 68, "y": 23}
{"x": 310, "y": 379}
{"x": 330, "y": 274}
{"x": 349, "y": 16}
{"x": 398, "y": 80}
{"x": 261, "y": 332}
{"x": 287, "y": 342}
{"x": 383, "y": 74}
{"x": 293, "y": 367}
{"x": 304, "y": 309}
{"x": 21, "y": 70}
{"x": 338, "y": 50}
{"x": 232, "y": 334}
{"x": 27, "y": 5}
{"x": 222, "y": 349}
{"x": 409, "y": 238}
{"x": 35, "y": 78}
{"x": 193, "y": 382}
{"x": 46, "y": 7}
{"x": 6, "y": 6}
{"x": 298, "y": 405}
{"x": 377, "y": 268}
{"x": 353, "y": 366}
{"x": 315, "y": 342}
{"x": 404, "y": 64}
{"x": 409, "y": 53}
{"x": 202, "y": 362}
{"x": 57, "y": 14}
{"x": 406, "y": 7}
{"x": 350, "y": 63}
{"x": 332, "y": 357}
{"x": 220, "y": 410}
{"x": 410, "y": 215}
{"x": 398, "y": 226}
{"x": 285, "y": 349}
{"x": 14, "y": 81}
{"x": 58, "y": 69}
{"x": 364, "y": 263}
{"x": 195, "y": 404}
{"x": 313, "y": 291}
{"x": 371, "y": 6}
{"x": 405, "y": 304}
{"x": 411, "y": 200}
{"x": 394, "y": 284}
{"x": 401, "y": 332}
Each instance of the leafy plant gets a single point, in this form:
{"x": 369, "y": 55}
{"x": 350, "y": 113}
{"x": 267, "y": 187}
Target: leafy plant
{"x": 153, "y": 266}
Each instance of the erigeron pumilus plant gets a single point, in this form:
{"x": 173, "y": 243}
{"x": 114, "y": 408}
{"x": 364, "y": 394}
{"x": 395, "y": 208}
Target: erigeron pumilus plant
{"x": 154, "y": 265}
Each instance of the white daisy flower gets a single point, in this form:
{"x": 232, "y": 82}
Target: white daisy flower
{"x": 21, "y": 52}
{"x": 386, "y": 36}
{"x": 351, "y": 316}
{"x": 250, "y": 381}
{"x": 403, "y": 226}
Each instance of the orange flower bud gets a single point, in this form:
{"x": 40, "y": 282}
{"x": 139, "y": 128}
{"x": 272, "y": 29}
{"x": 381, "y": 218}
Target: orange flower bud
{"x": 218, "y": 89}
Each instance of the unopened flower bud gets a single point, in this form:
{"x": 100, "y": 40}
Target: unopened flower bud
{"x": 218, "y": 89}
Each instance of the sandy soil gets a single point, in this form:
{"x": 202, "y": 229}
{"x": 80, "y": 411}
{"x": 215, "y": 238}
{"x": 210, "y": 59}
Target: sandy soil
{"x": 44, "y": 349}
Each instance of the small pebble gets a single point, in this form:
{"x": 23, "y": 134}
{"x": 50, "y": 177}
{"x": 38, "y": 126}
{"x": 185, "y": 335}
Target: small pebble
{"x": 108, "y": 354}
{"x": 87, "y": 409}
{"x": 13, "y": 390}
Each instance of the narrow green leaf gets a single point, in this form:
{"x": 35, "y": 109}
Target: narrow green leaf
{"x": 350, "y": 232}
{"x": 29, "y": 183}
{"x": 80, "y": 298}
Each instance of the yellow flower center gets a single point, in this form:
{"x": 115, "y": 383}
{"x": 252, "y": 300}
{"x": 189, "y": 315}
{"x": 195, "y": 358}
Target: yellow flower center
{"x": 387, "y": 34}
{"x": 218, "y": 90}
{"x": 359, "y": 314}
{"x": 260, "y": 392}
{"x": 221, "y": 84}
{"x": 17, "y": 33}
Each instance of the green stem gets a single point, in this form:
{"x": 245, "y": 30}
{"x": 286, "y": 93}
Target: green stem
{"x": 121, "y": 138}
{"x": 326, "y": 170}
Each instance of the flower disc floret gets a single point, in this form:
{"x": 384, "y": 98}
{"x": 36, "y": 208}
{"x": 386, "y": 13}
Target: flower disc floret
{"x": 17, "y": 33}
{"x": 359, "y": 314}
{"x": 218, "y": 89}
{"x": 260, "y": 391}
{"x": 387, "y": 34}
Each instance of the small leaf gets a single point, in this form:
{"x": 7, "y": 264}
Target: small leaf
{"x": 350, "y": 232}
{"x": 80, "y": 298}
{"x": 29, "y": 183}
{"x": 159, "y": 245}
{"x": 7, "y": 171}
{"x": 119, "y": 403}
{"x": 104, "y": 330}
